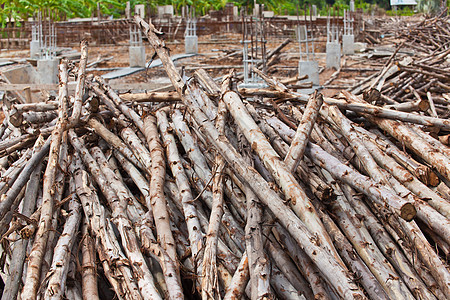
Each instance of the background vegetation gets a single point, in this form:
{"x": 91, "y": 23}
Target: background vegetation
{"x": 19, "y": 10}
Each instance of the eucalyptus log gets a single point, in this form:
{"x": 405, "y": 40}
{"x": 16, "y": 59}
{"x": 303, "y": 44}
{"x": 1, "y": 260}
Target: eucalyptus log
{"x": 210, "y": 283}
{"x": 88, "y": 265}
{"x": 79, "y": 91}
{"x": 151, "y": 97}
{"x": 37, "y": 252}
{"x": 300, "y": 140}
{"x": 63, "y": 250}
{"x": 158, "y": 202}
{"x": 12, "y": 285}
{"x": 110, "y": 253}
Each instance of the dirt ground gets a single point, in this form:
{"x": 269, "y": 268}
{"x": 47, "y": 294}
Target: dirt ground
{"x": 214, "y": 51}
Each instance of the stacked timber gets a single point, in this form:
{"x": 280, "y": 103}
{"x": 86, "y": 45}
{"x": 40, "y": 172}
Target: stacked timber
{"x": 216, "y": 193}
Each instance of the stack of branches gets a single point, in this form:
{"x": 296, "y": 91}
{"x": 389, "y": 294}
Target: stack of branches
{"x": 429, "y": 35}
{"x": 220, "y": 196}
{"x": 417, "y": 83}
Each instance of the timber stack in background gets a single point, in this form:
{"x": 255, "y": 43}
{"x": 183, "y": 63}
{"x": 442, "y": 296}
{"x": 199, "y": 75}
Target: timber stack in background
{"x": 216, "y": 192}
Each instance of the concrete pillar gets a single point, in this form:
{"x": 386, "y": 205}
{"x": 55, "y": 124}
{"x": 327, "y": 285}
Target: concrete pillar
{"x": 310, "y": 68}
{"x": 314, "y": 10}
{"x": 348, "y": 44}
{"x": 333, "y": 55}
{"x": 47, "y": 71}
{"x": 352, "y": 5}
{"x": 191, "y": 44}
{"x": 128, "y": 10}
{"x": 235, "y": 12}
{"x": 137, "y": 56}
{"x": 34, "y": 49}
{"x": 139, "y": 10}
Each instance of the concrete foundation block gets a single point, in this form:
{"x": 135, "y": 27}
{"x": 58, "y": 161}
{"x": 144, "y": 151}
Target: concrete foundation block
{"x": 191, "y": 44}
{"x": 47, "y": 71}
{"x": 333, "y": 55}
{"x": 34, "y": 49}
{"x": 137, "y": 56}
{"x": 310, "y": 68}
{"x": 348, "y": 44}
{"x": 360, "y": 47}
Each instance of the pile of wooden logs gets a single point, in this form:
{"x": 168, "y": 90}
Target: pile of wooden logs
{"x": 418, "y": 82}
{"x": 215, "y": 195}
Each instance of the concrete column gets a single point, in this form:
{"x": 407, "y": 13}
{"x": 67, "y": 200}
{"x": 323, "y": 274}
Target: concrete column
{"x": 137, "y": 56}
{"x": 47, "y": 71}
{"x": 191, "y": 44}
{"x": 34, "y": 49}
{"x": 348, "y": 44}
{"x": 128, "y": 10}
{"x": 310, "y": 68}
{"x": 352, "y": 5}
{"x": 139, "y": 10}
{"x": 333, "y": 55}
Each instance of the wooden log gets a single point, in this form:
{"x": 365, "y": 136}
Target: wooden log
{"x": 63, "y": 250}
{"x": 158, "y": 202}
{"x": 207, "y": 83}
{"x": 151, "y": 97}
{"x": 393, "y": 251}
{"x": 406, "y": 178}
{"x": 283, "y": 176}
{"x": 379, "y": 194}
{"x": 300, "y": 140}
{"x": 19, "y": 251}
{"x": 88, "y": 265}
{"x": 38, "y": 251}
{"x": 113, "y": 140}
{"x": 411, "y": 140}
{"x": 239, "y": 281}
{"x": 79, "y": 91}
{"x": 210, "y": 285}
{"x": 37, "y": 107}
{"x": 422, "y": 172}
{"x": 201, "y": 167}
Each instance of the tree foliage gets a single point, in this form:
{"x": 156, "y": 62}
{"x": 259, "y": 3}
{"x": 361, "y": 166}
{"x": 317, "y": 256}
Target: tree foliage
{"x": 19, "y": 10}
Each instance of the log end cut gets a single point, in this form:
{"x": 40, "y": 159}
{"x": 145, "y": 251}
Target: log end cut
{"x": 408, "y": 212}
